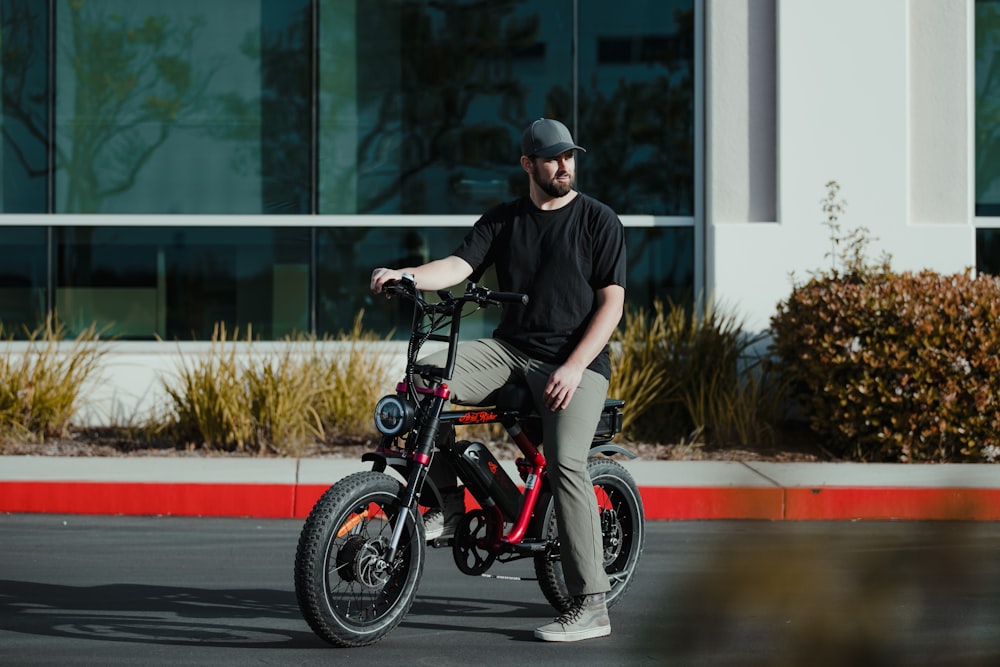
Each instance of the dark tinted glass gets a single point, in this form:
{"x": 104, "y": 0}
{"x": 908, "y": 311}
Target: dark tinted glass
{"x": 987, "y": 108}
{"x": 23, "y": 278}
{"x": 27, "y": 96}
{"x": 635, "y": 104}
{"x": 346, "y": 259}
{"x": 220, "y": 107}
{"x": 422, "y": 103}
{"x": 178, "y": 283}
{"x": 988, "y": 251}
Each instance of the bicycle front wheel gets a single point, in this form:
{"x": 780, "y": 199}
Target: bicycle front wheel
{"x": 348, "y": 590}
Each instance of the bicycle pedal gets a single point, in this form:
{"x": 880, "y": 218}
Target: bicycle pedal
{"x": 440, "y": 543}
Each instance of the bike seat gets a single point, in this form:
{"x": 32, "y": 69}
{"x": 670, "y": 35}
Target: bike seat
{"x": 515, "y": 396}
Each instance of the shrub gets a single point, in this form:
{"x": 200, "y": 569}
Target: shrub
{"x": 692, "y": 374}
{"x": 305, "y": 392}
{"x": 638, "y": 373}
{"x": 894, "y": 367}
{"x": 355, "y": 374}
{"x": 209, "y": 403}
{"x": 40, "y": 388}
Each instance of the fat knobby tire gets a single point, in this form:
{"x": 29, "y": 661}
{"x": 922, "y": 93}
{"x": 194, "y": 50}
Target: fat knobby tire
{"x": 344, "y": 592}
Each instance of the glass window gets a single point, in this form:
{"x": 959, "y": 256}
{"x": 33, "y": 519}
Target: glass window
{"x": 188, "y": 106}
{"x": 24, "y": 65}
{"x": 987, "y": 108}
{"x": 233, "y": 107}
{"x": 660, "y": 265}
{"x": 347, "y": 256}
{"x": 422, "y": 104}
{"x": 179, "y": 282}
{"x": 635, "y": 104}
{"x": 988, "y": 251}
{"x": 23, "y": 278}
{"x": 206, "y": 106}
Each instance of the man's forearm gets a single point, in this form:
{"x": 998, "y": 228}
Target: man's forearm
{"x": 440, "y": 273}
{"x": 434, "y": 275}
{"x": 610, "y": 307}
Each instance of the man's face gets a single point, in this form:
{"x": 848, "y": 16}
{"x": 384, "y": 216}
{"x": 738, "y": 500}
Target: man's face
{"x": 556, "y": 176}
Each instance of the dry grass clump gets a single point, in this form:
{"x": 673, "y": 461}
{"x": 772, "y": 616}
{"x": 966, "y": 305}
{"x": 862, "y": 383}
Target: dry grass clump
{"x": 692, "y": 375}
{"x": 279, "y": 399}
{"x": 41, "y": 380}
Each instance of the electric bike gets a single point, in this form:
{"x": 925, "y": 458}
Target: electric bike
{"x": 362, "y": 548}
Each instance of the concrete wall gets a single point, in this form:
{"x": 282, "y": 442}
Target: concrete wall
{"x": 874, "y": 95}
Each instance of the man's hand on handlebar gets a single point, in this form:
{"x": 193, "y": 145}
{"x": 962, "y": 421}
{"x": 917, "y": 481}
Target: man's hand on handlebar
{"x": 382, "y": 275}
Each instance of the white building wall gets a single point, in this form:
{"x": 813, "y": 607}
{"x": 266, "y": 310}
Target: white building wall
{"x": 871, "y": 94}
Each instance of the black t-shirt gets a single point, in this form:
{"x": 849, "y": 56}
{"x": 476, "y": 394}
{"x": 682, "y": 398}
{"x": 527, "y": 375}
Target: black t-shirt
{"x": 559, "y": 259}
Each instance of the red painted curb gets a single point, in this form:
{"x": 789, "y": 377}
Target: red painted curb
{"x": 713, "y": 502}
{"x": 306, "y": 496}
{"x": 661, "y": 503}
{"x": 272, "y": 501}
{"x": 922, "y": 503}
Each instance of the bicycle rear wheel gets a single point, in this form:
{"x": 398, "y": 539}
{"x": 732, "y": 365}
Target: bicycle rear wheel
{"x": 623, "y": 527}
{"x": 348, "y": 592}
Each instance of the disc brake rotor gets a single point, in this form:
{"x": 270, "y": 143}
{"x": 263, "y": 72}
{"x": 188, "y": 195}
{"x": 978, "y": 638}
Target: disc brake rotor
{"x": 611, "y": 528}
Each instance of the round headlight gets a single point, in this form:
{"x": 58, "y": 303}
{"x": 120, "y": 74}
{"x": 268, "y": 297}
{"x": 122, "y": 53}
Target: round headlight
{"x": 393, "y": 415}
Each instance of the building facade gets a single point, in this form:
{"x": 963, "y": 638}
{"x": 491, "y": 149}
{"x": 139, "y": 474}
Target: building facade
{"x": 169, "y": 166}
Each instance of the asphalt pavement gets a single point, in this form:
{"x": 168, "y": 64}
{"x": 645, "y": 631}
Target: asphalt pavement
{"x": 124, "y": 590}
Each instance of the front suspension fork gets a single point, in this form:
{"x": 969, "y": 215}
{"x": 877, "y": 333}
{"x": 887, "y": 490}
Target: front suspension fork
{"x": 408, "y": 504}
{"x": 420, "y": 463}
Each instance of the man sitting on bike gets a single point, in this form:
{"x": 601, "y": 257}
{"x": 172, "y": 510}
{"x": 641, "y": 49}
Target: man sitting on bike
{"x": 566, "y": 251}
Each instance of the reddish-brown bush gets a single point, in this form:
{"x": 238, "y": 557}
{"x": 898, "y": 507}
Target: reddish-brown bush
{"x": 896, "y": 367}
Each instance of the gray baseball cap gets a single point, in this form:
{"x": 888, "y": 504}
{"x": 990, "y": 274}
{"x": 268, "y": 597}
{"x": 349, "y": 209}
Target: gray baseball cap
{"x": 547, "y": 138}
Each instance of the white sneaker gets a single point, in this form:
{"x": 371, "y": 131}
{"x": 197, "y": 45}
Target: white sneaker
{"x": 586, "y": 619}
{"x": 440, "y": 522}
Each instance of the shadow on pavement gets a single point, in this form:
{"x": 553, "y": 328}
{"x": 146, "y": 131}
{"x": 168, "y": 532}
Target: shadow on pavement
{"x": 245, "y": 618}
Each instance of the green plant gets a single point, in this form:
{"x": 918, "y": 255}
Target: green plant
{"x": 282, "y": 391}
{"x": 638, "y": 374}
{"x": 692, "y": 374}
{"x": 41, "y": 387}
{"x": 848, "y": 247}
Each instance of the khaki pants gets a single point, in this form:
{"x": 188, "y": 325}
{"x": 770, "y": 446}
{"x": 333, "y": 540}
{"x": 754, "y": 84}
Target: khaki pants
{"x": 481, "y": 368}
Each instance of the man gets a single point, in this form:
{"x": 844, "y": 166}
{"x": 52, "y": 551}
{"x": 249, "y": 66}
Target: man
{"x": 566, "y": 251}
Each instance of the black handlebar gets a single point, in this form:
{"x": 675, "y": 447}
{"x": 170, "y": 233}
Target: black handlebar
{"x": 473, "y": 293}
{"x": 509, "y": 297}
{"x": 431, "y": 318}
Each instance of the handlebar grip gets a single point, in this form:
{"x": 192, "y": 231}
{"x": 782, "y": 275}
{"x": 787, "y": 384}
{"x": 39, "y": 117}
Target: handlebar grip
{"x": 510, "y": 297}
{"x": 404, "y": 286}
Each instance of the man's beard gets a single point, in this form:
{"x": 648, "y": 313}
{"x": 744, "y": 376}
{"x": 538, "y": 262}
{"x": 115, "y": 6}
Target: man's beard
{"x": 553, "y": 188}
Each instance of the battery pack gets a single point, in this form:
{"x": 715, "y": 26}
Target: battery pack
{"x": 486, "y": 479}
